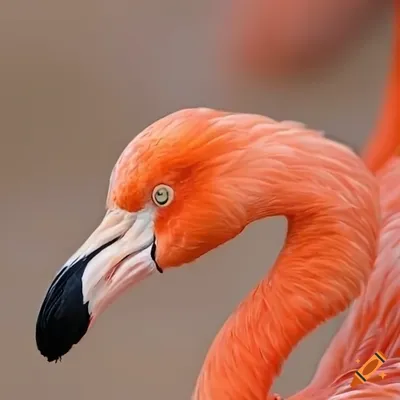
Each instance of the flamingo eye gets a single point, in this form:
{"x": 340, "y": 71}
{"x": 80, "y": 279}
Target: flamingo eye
{"x": 162, "y": 195}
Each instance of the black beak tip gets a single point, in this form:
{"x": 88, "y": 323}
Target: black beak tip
{"x": 58, "y": 332}
{"x": 64, "y": 317}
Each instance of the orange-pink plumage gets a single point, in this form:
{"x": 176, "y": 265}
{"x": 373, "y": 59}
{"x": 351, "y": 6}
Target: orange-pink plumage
{"x": 194, "y": 180}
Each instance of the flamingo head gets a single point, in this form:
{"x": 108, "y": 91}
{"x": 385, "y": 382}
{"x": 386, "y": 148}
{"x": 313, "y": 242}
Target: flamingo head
{"x": 172, "y": 198}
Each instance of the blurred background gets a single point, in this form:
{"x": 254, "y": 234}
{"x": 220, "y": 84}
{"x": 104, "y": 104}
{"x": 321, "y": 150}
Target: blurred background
{"x": 79, "y": 80}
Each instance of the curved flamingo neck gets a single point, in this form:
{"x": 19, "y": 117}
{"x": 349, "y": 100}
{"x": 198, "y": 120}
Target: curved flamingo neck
{"x": 315, "y": 277}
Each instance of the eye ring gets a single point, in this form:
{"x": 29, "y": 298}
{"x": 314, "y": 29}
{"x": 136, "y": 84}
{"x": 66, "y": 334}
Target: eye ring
{"x": 162, "y": 195}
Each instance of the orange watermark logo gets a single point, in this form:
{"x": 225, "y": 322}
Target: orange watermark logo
{"x": 368, "y": 369}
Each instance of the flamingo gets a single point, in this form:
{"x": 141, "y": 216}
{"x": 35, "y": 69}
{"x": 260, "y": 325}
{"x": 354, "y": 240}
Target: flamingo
{"x": 194, "y": 180}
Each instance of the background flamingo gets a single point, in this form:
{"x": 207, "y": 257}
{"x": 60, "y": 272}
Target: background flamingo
{"x": 281, "y": 38}
{"x": 382, "y": 274}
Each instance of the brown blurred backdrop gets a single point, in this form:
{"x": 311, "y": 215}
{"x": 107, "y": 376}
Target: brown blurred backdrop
{"x": 78, "y": 80}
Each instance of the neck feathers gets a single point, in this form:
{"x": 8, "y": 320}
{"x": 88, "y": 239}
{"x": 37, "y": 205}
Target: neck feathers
{"x": 329, "y": 252}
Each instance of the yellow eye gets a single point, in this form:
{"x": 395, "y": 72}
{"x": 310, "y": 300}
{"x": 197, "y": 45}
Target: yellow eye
{"x": 163, "y": 195}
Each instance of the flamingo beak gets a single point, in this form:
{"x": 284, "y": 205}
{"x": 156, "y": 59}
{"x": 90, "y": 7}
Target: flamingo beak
{"x": 118, "y": 254}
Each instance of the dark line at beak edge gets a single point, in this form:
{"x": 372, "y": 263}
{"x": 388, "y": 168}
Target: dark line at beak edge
{"x": 153, "y": 256}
